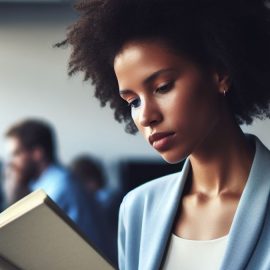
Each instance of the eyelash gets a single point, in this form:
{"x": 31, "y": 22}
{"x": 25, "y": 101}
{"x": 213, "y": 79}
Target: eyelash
{"x": 131, "y": 104}
{"x": 167, "y": 86}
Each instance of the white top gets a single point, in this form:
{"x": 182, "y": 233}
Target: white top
{"x": 186, "y": 254}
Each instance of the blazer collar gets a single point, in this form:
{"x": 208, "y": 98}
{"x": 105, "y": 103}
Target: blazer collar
{"x": 246, "y": 225}
{"x": 250, "y": 213}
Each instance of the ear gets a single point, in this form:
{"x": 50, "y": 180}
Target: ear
{"x": 37, "y": 154}
{"x": 223, "y": 81}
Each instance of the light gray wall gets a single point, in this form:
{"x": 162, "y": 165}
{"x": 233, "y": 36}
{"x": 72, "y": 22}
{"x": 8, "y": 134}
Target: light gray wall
{"x": 34, "y": 82}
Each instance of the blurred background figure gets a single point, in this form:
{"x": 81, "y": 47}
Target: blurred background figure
{"x": 33, "y": 164}
{"x": 90, "y": 172}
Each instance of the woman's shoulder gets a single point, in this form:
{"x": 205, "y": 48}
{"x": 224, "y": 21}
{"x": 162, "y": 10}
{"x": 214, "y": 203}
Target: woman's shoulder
{"x": 150, "y": 192}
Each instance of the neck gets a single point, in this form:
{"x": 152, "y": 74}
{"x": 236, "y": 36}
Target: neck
{"x": 42, "y": 166}
{"x": 221, "y": 163}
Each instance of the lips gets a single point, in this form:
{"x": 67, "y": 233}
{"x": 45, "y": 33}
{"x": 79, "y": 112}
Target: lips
{"x": 160, "y": 140}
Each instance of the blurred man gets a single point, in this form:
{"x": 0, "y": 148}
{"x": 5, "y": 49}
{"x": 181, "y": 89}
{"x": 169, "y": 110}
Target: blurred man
{"x": 32, "y": 161}
{"x": 33, "y": 164}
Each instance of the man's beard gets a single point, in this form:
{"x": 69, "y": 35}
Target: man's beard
{"x": 30, "y": 172}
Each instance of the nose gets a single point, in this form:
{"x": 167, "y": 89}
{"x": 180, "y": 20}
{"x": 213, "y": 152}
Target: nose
{"x": 150, "y": 114}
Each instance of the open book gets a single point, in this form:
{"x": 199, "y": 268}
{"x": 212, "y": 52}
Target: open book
{"x": 35, "y": 234}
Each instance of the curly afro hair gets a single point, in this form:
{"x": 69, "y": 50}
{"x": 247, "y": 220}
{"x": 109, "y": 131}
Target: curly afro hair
{"x": 231, "y": 34}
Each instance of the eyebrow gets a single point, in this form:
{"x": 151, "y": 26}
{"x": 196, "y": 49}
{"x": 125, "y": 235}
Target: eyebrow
{"x": 150, "y": 78}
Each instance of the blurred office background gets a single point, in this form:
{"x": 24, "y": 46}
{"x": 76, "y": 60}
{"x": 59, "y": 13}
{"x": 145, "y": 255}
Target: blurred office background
{"x": 34, "y": 83}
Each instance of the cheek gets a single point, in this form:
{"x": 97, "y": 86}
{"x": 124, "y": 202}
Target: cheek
{"x": 191, "y": 107}
{"x": 179, "y": 105}
{"x": 22, "y": 161}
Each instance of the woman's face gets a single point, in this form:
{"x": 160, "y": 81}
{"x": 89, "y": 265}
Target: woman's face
{"x": 174, "y": 104}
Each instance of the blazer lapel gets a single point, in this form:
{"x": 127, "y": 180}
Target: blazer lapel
{"x": 162, "y": 221}
{"x": 249, "y": 216}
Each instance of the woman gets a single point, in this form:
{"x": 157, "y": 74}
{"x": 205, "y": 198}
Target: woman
{"x": 186, "y": 74}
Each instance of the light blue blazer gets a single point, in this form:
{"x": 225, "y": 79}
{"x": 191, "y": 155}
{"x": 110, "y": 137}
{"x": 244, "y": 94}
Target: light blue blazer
{"x": 147, "y": 213}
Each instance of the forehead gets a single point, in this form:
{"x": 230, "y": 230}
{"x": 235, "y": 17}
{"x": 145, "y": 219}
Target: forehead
{"x": 13, "y": 143}
{"x": 141, "y": 58}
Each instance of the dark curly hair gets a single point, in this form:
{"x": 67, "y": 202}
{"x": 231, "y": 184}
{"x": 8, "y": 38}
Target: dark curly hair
{"x": 232, "y": 35}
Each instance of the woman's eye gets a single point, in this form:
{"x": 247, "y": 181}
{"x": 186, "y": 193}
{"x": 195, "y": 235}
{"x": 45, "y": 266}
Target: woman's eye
{"x": 165, "y": 87}
{"x": 134, "y": 103}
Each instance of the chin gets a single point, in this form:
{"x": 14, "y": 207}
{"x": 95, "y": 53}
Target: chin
{"x": 173, "y": 158}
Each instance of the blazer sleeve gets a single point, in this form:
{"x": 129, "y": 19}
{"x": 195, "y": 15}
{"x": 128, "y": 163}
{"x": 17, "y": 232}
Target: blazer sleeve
{"x": 121, "y": 238}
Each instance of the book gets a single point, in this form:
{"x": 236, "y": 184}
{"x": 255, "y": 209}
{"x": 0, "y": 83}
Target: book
{"x": 35, "y": 234}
